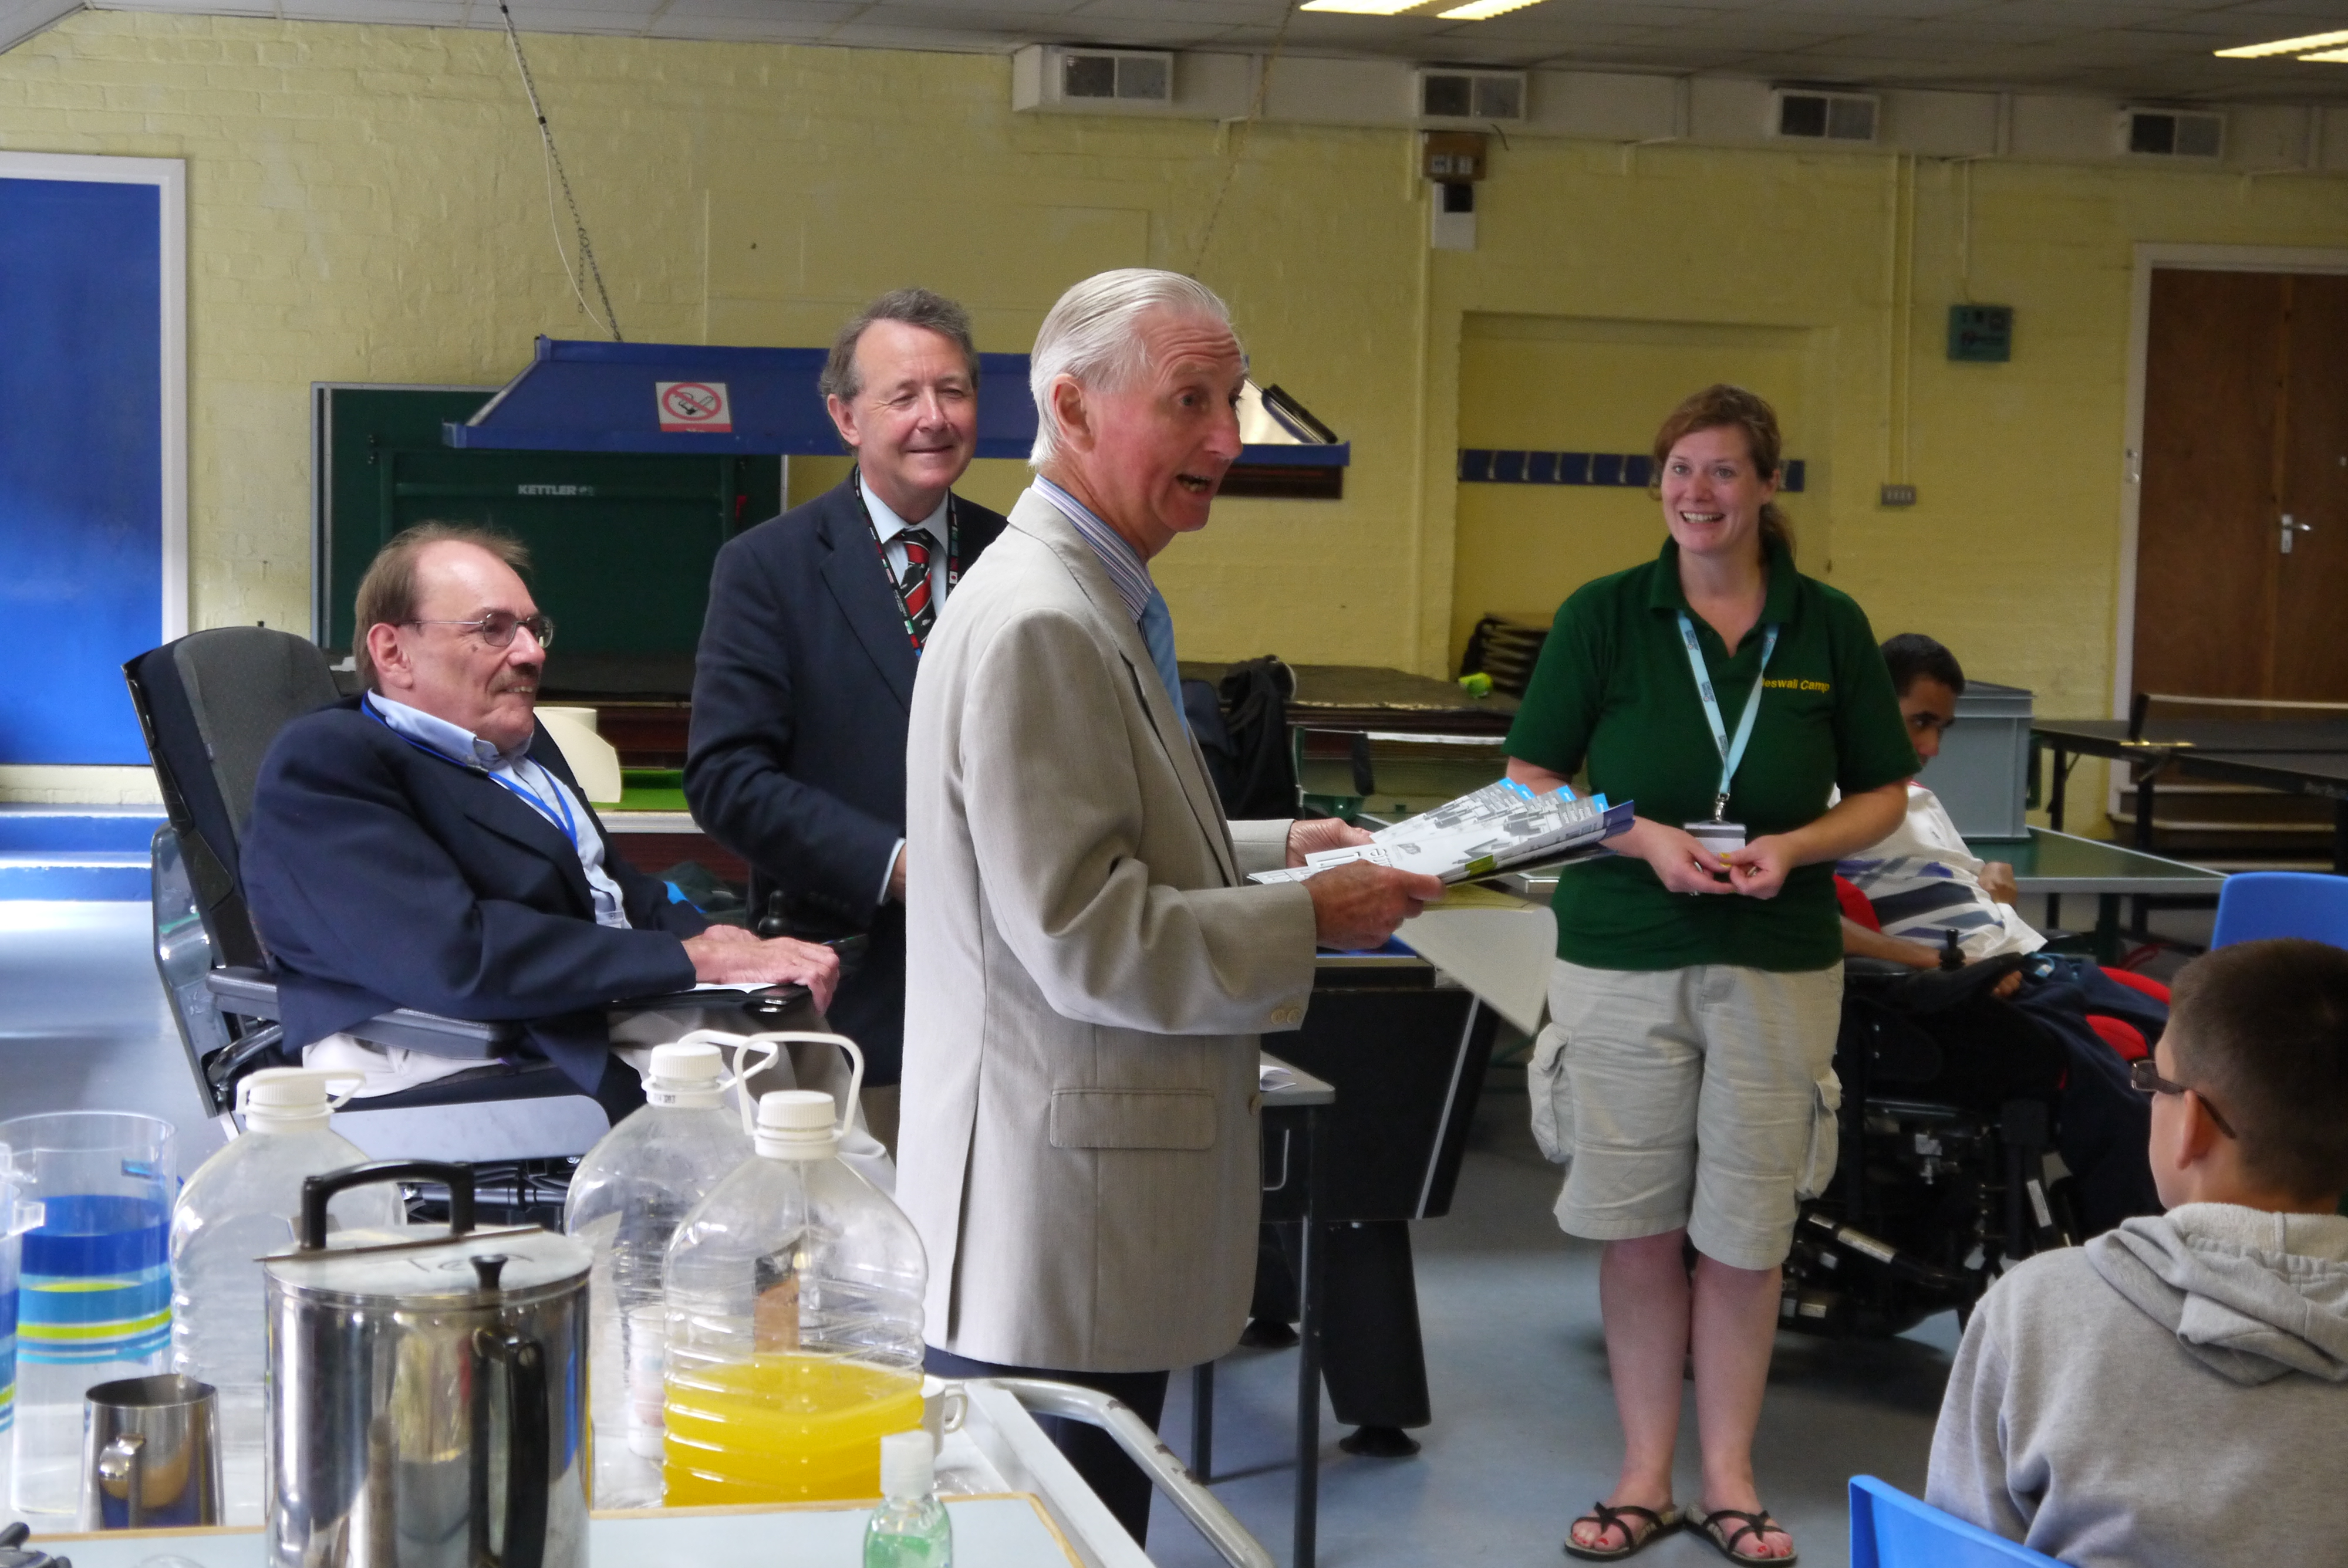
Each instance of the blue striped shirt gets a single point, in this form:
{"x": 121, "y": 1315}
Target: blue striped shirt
{"x": 1126, "y": 568}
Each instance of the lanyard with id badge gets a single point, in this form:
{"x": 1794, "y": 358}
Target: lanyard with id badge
{"x": 1719, "y": 835}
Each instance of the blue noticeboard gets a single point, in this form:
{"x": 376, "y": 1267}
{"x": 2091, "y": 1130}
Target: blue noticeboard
{"x": 84, "y": 470}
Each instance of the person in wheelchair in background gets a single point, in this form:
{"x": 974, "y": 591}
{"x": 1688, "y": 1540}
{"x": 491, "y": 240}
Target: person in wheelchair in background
{"x": 1967, "y": 1054}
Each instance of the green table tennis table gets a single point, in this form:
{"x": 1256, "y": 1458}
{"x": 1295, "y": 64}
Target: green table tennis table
{"x": 2056, "y": 865}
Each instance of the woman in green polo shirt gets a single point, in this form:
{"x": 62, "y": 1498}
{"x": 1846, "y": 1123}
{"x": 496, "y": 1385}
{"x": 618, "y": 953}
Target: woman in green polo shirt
{"x": 1687, "y": 1070}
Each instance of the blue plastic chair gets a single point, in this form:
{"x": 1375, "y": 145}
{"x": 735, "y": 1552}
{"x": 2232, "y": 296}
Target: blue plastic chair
{"x": 1889, "y": 1529}
{"x": 2257, "y": 904}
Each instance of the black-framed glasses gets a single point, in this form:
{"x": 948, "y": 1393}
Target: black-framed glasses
{"x": 2145, "y": 1076}
{"x": 498, "y": 627}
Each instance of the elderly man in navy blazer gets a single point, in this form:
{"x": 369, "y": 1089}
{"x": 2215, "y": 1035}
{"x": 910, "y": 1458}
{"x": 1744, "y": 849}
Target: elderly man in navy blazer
{"x": 805, "y": 676}
{"x": 424, "y": 844}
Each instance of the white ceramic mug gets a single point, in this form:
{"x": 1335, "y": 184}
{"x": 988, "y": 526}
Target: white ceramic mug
{"x": 943, "y": 1405}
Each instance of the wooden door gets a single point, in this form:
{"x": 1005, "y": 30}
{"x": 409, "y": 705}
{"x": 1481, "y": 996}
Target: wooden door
{"x": 2312, "y": 590}
{"x": 2246, "y": 420}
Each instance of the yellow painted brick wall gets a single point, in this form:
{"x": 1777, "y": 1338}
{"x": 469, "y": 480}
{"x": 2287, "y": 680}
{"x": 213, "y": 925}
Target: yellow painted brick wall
{"x": 368, "y": 204}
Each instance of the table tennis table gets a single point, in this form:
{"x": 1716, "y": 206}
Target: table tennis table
{"x": 2053, "y": 866}
{"x": 2306, "y": 753}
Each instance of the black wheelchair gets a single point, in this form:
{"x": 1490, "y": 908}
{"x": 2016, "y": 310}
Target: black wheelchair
{"x": 1950, "y": 1096}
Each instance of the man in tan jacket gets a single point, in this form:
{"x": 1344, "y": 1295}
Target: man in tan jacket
{"x": 1088, "y": 966}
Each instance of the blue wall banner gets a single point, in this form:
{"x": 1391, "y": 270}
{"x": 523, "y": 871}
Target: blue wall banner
{"x": 92, "y": 467}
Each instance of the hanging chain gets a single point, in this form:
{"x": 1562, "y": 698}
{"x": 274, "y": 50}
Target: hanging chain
{"x": 610, "y": 320}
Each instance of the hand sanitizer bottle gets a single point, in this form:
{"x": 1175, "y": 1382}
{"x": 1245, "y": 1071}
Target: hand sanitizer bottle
{"x": 909, "y": 1529}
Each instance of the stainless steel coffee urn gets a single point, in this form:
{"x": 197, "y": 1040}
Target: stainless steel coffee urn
{"x": 427, "y": 1398}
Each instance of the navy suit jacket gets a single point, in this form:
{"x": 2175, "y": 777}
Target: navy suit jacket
{"x": 383, "y": 876}
{"x": 801, "y": 690}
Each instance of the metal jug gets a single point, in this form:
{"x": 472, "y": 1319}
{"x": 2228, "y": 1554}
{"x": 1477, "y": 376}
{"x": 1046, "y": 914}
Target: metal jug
{"x": 427, "y": 1399}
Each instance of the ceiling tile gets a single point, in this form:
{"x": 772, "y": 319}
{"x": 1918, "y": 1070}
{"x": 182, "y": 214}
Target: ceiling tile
{"x": 1204, "y": 13}
{"x": 802, "y": 17}
{"x": 2128, "y": 47}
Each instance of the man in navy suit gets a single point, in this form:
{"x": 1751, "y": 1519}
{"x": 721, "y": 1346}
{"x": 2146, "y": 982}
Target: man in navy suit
{"x": 804, "y": 680}
{"x": 424, "y": 843}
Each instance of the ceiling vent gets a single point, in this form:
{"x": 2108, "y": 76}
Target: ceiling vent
{"x": 1806, "y": 114}
{"x": 1047, "y": 75}
{"x": 1482, "y": 98}
{"x": 2172, "y": 133}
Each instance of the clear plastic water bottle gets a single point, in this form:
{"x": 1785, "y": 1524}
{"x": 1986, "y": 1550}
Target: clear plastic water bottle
{"x": 242, "y": 1204}
{"x": 627, "y": 1197}
{"x": 794, "y": 1323}
{"x": 909, "y": 1529}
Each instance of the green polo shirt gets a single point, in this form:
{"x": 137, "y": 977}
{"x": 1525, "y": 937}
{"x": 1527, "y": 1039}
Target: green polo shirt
{"x": 1614, "y": 690}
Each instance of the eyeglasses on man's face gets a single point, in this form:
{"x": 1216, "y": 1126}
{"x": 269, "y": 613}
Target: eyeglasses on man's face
{"x": 498, "y": 627}
{"x": 2144, "y": 1075}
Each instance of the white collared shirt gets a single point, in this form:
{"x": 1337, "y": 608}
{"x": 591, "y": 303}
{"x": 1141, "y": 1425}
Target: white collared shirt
{"x": 536, "y": 786}
{"x": 891, "y": 529}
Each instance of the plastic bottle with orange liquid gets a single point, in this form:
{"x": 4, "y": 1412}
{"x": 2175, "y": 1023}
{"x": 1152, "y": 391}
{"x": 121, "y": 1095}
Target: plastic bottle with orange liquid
{"x": 794, "y": 1295}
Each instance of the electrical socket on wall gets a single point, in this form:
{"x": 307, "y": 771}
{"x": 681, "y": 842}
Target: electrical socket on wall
{"x": 1897, "y": 495}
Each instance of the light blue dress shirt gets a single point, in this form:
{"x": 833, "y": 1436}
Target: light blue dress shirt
{"x": 534, "y": 784}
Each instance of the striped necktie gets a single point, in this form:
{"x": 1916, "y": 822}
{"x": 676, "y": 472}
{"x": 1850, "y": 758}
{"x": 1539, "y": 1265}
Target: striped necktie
{"x": 913, "y": 584}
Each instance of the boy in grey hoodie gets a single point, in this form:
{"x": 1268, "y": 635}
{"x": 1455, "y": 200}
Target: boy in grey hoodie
{"x": 2176, "y": 1391}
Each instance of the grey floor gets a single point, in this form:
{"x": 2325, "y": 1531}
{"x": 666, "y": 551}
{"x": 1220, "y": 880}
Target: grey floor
{"x": 1524, "y": 1434}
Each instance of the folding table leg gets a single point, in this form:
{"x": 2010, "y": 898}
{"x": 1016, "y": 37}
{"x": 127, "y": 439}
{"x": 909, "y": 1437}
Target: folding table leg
{"x": 1202, "y": 1420}
{"x": 1309, "y": 1270}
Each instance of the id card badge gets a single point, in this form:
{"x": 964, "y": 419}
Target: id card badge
{"x": 1719, "y": 838}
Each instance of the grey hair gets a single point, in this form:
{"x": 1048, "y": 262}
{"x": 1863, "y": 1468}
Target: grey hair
{"x": 1089, "y": 337}
{"x": 914, "y": 307}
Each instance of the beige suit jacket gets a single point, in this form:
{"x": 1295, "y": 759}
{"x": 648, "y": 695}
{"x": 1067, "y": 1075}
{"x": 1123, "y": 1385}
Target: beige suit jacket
{"x": 1087, "y": 971}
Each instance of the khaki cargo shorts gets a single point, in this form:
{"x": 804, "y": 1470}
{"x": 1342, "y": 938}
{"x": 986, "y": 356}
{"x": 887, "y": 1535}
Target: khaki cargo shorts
{"x": 1703, "y": 1097}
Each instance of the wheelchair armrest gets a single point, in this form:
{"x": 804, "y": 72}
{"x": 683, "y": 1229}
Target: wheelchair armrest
{"x": 433, "y": 1035}
{"x": 246, "y": 992}
{"x": 765, "y": 1004}
{"x": 250, "y": 993}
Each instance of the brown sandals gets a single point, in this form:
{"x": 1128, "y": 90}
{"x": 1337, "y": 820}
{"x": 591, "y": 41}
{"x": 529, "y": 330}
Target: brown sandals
{"x": 1756, "y": 1524}
{"x": 1634, "y": 1536}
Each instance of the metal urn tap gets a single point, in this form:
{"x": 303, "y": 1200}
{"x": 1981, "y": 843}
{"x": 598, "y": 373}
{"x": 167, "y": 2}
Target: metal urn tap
{"x": 427, "y": 1399}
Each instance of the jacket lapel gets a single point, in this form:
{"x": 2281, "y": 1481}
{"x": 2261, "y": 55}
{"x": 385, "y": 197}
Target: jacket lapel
{"x": 859, "y": 582}
{"x": 1039, "y": 518}
{"x": 497, "y": 809}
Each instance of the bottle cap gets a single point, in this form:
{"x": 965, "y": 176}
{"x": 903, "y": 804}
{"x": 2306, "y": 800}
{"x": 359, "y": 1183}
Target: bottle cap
{"x": 795, "y": 1124}
{"x": 908, "y": 1464}
{"x": 687, "y": 1075}
{"x": 291, "y": 1099}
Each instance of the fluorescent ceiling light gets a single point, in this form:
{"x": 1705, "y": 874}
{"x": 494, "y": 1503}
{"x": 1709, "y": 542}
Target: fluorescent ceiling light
{"x": 1478, "y": 10}
{"x": 2330, "y": 56}
{"x": 2284, "y": 46}
{"x": 1376, "y": 7}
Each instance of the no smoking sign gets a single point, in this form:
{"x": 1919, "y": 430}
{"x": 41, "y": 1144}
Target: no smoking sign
{"x": 694, "y": 406}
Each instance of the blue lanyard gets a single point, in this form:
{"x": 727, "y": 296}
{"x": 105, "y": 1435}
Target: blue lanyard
{"x": 561, "y": 805}
{"x": 1731, "y": 752}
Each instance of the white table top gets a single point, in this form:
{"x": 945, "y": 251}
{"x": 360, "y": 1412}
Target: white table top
{"x": 1005, "y": 1531}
